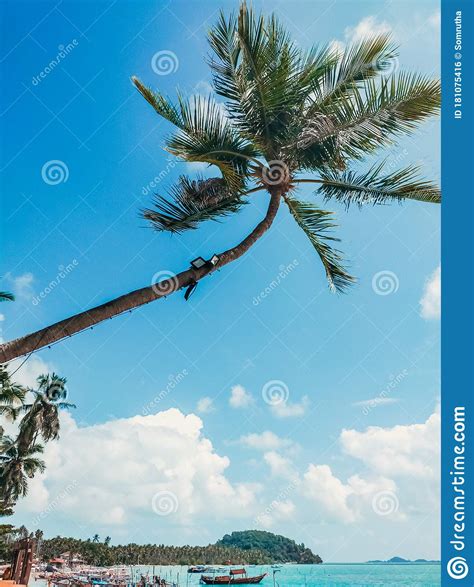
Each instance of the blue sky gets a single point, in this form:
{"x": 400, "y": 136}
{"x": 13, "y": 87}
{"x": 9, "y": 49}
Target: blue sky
{"x": 327, "y": 352}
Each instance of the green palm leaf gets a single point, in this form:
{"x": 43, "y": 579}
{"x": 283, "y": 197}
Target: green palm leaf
{"x": 192, "y": 202}
{"x": 316, "y": 223}
{"x": 382, "y": 109}
{"x": 204, "y": 134}
{"x": 6, "y": 296}
{"x": 373, "y": 187}
{"x": 264, "y": 75}
{"x": 355, "y": 64}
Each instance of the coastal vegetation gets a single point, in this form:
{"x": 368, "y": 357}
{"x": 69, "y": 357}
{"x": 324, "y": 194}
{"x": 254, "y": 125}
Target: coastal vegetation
{"x": 290, "y": 117}
{"x": 255, "y": 548}
{"x": 279, "y": 548}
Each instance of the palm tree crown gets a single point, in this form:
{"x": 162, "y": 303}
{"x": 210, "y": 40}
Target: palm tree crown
{"x": 18, "y": 464}
{"x": 12, "y": 396}
{"x": 42, "y": 415}
{"x": 289, "y": 111}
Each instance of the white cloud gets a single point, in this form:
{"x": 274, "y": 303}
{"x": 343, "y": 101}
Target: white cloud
{"x": 337, "y": 47}
{"x": 205, "y": 405}
{"x": 139, "y": 457}
{"x": 22, "y": 285}
{"x": 347, "y": 502}
{"x": 368, "y": 27}
{"x": 278, "y": 510}
{"x": 286, "y": 409}
{"x": 405, "y": 450}
{"x": 279, "y": 466}
{"x": 29, "y": 370}
{"x": 240, "y": 397}
{"x": 322, "y": 486}
{"x": 431, "y": 300}
{"x": 400, "y": 462}
{"x": 267, "y": 440}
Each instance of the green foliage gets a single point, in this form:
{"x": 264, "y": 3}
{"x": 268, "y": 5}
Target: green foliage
{"x": 20, "y": 457}
{"x": 101, "y": 553}
{"x": 193, "y": 202}
{"x": 316, "y": 223}
{"x": 312, "y": 110}
{"x": 279, "y": 548}
{"x": 372, "y": 187}
{"x": 252, "y": 547}
{"x": 6, "y": 296}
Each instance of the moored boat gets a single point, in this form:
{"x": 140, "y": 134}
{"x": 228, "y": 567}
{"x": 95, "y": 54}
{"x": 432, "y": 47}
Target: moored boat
{"x": 235, "y": 577}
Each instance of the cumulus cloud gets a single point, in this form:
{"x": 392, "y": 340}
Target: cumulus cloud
{"x": 266, "y": 440}
{"x": 276, "y": 511}
{"x": 22, "y": 285}
{"x": 321, "y": 485}
{"x": 205, "y": 405}
{"x": 141, "y": 459}
{"x": 280, "y": 466}
{"x": 410, "y": 450}
{"x": 368, "y": 27}
{"x": 287, "y": 409}
{"x": 30, "y": 370}
{"x": 431, "y": 300}
{"x": 240, "y": 397}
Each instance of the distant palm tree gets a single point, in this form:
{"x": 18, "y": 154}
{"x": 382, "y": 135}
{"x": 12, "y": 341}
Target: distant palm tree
{"x": 17, "y": 465}
{"x": 288, "y": 113}
{"x": 42, "y": 416}
{"x": 95, "y": 538}
{"x": 12, "y": 396}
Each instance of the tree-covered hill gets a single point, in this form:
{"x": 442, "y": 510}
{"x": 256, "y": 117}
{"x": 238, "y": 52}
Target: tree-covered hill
{"x": 278, "y": 548}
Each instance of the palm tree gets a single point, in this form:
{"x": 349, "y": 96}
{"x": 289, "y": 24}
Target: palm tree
{"x": 291, "y": 117}
{"x": 12, "y": 396}
{"x": 17, "y": 465}
{"x": 95, "y": 538}
{"x": 42, "y": 416}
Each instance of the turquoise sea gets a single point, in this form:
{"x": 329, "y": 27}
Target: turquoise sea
{"x": 334, "y": 575}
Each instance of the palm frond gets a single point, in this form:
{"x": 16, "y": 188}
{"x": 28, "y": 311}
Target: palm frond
{"x": 374, "y": 187}
{"x": 316, "y": 223}
{"x": 6, "y": 296}
{"x": 382, "y": 109}
{"x": 192, "y": 202}
{"x": 356, "y": 63}
{"x": 204, "y": 133}
{"x": 264, "y": 76}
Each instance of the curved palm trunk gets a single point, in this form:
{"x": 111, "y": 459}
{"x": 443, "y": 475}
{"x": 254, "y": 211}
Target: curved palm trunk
{"x": 51, "y": 334}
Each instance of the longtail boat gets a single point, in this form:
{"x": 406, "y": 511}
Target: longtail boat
{"x": 235, "y": 577}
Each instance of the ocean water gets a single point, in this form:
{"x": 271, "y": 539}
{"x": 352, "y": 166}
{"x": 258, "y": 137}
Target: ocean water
{"x": 334, "y": 575}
